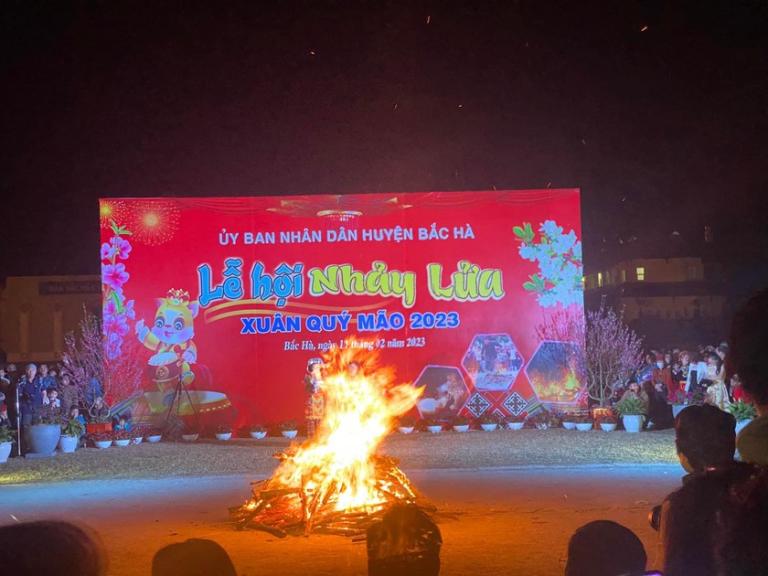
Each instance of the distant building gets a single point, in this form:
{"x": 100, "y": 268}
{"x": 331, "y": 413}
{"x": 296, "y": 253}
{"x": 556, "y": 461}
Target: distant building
{"x": 677, "y": 301}
{"x": 37, "y": 311}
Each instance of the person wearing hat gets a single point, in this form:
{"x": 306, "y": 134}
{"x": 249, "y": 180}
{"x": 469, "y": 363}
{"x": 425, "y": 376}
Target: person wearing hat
{"x": 314, "y": 410}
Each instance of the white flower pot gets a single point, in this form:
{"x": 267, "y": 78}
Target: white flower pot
{"x": 102, "y": 444}
{"x": 223, "y": 436}
{"x": 138, "y": 440}
{"x": 461, "y": 427}
{"x": 608, "y": 426}
{"x": 154, "y": 438}
{"x": 583, "y": 426}
{"x": 489, "y": 427}
{"x": 741, "y": 424}
{"x": 123, "y": 442}
{"x": 405, "y": 429}
{"x": 290, "y": 434}
{"x": 633, "y": 423}
{"x": 515, "y": 425}
{"x": 434, "y": 429}
{"x": 258, "y": 435}
{"x": 569, "y": 425}
{"x": 68, "y": 444}
{"x": 190, "y": 437}
{"x": 5, "y": 451}
{"x": 677, "y": 408}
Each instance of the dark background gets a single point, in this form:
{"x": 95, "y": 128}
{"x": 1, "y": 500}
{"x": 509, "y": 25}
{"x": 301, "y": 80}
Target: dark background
{"x": 657, "y": 110}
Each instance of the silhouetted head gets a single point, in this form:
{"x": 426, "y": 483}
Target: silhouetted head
{"x": 604, "y": 548}
{"x": 748, "y": 343}
{"x": 195, "y": 557}
{"x": 406, "y": 542}
{"x": 59, "y": 548}
{"x": 705, "y": 436}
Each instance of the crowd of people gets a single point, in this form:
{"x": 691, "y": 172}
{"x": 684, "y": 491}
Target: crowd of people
{"x": 683, "y": 377}
{"x": 42, "y": 394}
{"x": 715, "y": 524}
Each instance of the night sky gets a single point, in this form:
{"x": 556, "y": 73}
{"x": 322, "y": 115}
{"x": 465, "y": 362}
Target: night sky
{"x": 656, "y": 110}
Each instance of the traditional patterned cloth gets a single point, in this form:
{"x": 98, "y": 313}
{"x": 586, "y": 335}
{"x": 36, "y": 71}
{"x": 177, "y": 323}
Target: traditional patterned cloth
{"x": 717, "y": 395}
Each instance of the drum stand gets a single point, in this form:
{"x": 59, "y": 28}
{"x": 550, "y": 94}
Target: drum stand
{"x": 176, "y": 401}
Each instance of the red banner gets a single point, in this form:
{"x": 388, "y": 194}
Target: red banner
{"x": 462, "y": 291}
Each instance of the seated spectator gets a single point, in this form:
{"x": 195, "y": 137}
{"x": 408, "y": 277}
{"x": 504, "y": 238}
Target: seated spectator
{"x": 749, "y": 338}
{"x": 737, "y": 390}
{"x": 604, "y": 548}
{"x": 51, "y": 547}
{"x": 740, "y": 534}
{"x": 99, "y": 411}
{"x": 406, "y": 542}
{"x": 194, "y": 557}
{"x": 706, "y": 442}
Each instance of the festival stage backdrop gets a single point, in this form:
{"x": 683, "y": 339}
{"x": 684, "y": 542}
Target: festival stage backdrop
{"x": 461, "y": 291}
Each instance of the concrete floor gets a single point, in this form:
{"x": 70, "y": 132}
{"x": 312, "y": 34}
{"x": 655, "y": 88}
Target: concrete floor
{"x": 494, "y": 521}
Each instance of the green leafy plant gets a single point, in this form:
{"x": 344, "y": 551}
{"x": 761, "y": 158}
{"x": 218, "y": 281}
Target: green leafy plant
{"x": 100, "y": 437}
{"x": 488, "y": 419}
{"x": 73, "y": 427}
{"x": 257, "y": 428}
{"x": 6, "y": 435}
{"x": 223, "y": 429}
{"x": 516, "y": 419}
{"x": 406, "y": 422}
{"x": 582, "y": 418}
{"x": 631, "y": 407}
{"x": 742, "y": 411}
{"x": 121, "y": 435}
{"x": 288, "y": 426}
{"x": 432, "y": 422}
{"x": 460, "y": 421}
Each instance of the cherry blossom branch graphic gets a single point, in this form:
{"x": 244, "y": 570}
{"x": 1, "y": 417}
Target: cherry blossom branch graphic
{"x": 116, "y": 310}
{"x": 559, "y": 280}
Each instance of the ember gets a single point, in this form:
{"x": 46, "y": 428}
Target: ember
{"x": 334, "y": 483}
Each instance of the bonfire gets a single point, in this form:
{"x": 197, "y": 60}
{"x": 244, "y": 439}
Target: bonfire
{"x": 335, "y": 483}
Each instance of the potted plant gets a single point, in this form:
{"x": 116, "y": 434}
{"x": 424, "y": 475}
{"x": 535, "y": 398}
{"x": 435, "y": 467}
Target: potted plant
{"x": 516, "y": 422}
{"x": 289, "y": 429}
{"x": 433, "y": 426}
{"x": 406, "y": 425}
{"x": 223, "y": 433}
{"x": 743, "y": 413}
{"x": 43, "y": 436}
{"x": 137, "y": 434}
{"x": 70, "y": 435}
{"x": 121, "y": 438}
{"x": 191, "y": 435}
{"x": 679, "y": 403}
{"x": 101, "y": 440}
{"x": 257, "y": 432}
{"x": 154, "y": 435}
{"x": 583, "y": 422}
{"x": 632, "y": 411}
{"x": 569, "y": 420}
{"x": 541, "y": 420}
{"x": 460, "y": 424}
{"x": 6, "y": 443}
{"x": 608, "y": 422}
{"x": 489, "y": 422}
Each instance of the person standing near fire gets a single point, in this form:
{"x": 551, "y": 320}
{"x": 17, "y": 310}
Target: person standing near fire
{"x": 314, "y": 410}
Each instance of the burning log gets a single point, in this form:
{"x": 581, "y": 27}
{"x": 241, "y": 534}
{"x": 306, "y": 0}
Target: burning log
{"x": 335, "y": 483}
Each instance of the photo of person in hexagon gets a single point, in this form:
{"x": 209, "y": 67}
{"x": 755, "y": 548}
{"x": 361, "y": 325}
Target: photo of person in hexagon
{"x": 444, "y": 392}
{"x": 493, "y": 362}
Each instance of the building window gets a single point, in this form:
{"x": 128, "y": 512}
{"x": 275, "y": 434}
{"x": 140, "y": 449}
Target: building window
{"x": 599, "y": 279}
{"x": 640, "y": 272}
{"x": 623, "y": 275}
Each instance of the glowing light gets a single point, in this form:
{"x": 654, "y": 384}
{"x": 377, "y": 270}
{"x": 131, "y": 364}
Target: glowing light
{"x": 154, "y": 222}
{"x": 151, "y": 219}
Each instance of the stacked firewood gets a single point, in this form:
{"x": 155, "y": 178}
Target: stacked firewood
{"x": 301, "y": 510}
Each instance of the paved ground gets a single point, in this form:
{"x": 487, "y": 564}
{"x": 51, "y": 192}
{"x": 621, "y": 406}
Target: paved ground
{"x": 511, "y": 521}
{"x": 447, "y": 450}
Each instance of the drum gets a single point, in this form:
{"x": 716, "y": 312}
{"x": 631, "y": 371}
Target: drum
{"x": 164, "y": 370}
{"x": 198, "y": 401}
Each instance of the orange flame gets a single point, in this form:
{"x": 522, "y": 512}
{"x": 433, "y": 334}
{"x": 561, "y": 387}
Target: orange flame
{"x": 359, "y": 413}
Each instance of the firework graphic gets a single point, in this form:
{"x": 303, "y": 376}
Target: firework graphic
{"x": 154, "y": 222}
{"x": 111, "y": 211}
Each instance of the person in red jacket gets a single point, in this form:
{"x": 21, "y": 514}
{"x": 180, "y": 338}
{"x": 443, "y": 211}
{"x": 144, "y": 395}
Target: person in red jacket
{"x": 662, "y": 373}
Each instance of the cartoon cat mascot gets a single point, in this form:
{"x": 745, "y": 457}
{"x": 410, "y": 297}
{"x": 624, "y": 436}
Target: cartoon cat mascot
{"x": 171, "y": 334}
